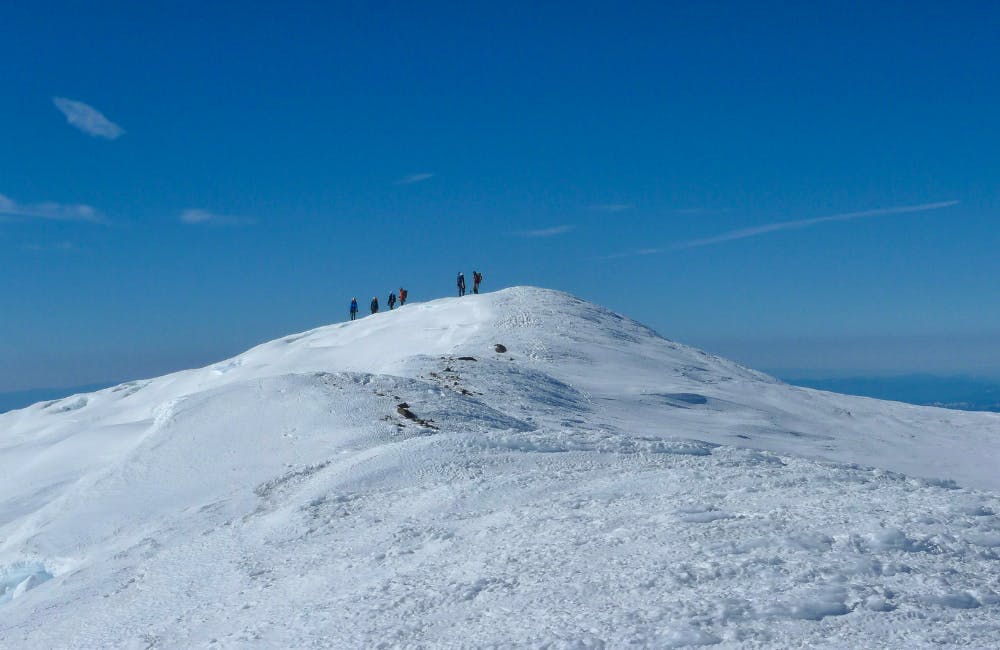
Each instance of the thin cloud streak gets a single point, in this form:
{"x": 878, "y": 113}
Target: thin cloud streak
{"x": 62, "y": 246}
{"x": 610, "y": 207}
{"x": 755, "y": 231}
{"x": 698, "y": 211}
{"x": 50, "y": 211}
{"x": 744, "y": 233}
{"x": 547, "y": 232}
{"x": 195, "y": 216}
{"x": 638, "y": 253}
{"x": 88, "y": 119}
{"x": 410, "y": 179}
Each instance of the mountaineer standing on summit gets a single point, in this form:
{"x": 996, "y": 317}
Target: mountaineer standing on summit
{"x": 461, "y": 284}
{"x": 375, "y": 304}
{"x": 354, "y": 308}
{"x": 477, "y": 277}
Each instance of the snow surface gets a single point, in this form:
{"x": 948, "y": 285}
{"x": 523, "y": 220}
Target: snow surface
{"x": 594, "y": 486}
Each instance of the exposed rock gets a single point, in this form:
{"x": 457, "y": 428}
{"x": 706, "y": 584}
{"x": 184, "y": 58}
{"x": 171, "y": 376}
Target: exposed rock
{"x": 404, "y": 410}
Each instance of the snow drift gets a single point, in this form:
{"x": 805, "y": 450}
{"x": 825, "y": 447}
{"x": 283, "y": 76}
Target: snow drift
{"x": 398, "y": 480}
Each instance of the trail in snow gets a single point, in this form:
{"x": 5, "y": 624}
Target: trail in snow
{"x": 593, "y": 485}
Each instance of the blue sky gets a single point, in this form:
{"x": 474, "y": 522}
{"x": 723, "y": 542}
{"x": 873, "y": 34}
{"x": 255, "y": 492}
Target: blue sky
{"x": 809, "y": 189}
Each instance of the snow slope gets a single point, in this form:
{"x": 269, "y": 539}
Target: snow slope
{"x": 594, "y": 485}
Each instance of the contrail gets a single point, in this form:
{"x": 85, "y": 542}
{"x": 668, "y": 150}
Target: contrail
{"x": 743, "y": 233}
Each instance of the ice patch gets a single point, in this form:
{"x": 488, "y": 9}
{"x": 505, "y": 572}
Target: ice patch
{"x": 229, "y": 366}
{"x": 816, "y": 610}
{"x": 67, "y": 406}
{"x": 876, "y": 603}
{"x": 129, "y": 388}
{"x": 986, "y": 540}
{"x": 974, "y": 510}
{"x": 893, "y": 539}
{"x": 755, "y": 457}
{"x": 958, "y": 600}
{"x": 701, "y": 514}
{"x": 687, "y": 638}
{"x": 816, "y": 607}
{"x": 19, "y": 578}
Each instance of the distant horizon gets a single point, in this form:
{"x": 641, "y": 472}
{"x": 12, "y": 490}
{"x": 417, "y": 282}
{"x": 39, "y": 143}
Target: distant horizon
{"x": 753, "y": 354}
{"x": 917, "y": 387}
{"x": 788, "y": 377}
{"x": 832, "y": 355}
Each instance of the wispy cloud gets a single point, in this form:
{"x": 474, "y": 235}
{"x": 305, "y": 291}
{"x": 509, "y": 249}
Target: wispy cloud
{"x": 547, "y": 232}
{"x": 50, "y": 211}
{"x": 638, "y": 253}
{"x": 197, "y": 216}
{"x": 698, "y": 211}
{"x": 410, "y": 179}
{"x": 61, "y": 246}
{"x": 610, "y": 207}
{"x": 88, "y": 119}
{"x": 755, "y": 231}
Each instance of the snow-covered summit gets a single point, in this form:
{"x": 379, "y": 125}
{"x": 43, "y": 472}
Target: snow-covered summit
{"x": 515, "y": 467}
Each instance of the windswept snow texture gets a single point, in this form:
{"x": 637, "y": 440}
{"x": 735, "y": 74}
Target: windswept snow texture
{"x": 592, "y": 486}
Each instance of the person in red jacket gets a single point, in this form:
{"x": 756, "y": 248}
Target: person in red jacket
{"x": 402, "y": 296}
{"x": 477, "y": 277}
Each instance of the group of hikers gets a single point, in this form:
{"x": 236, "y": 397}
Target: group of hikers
{"x": 374, "y": 304}
{"x": 477, "y": 278}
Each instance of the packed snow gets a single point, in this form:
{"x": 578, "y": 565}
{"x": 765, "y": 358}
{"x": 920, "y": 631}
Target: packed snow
{"x": 401, "y": 481}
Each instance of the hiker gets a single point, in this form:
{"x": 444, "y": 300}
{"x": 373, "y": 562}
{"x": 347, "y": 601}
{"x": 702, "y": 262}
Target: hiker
{"x": 461, "y": 284}
{"x": 392, "y": 300}
{"x": 402, "y": 296}
{"x": 374, "y": 304}
{"x": 477, "y": 277}
{"x": 354, "y": 308}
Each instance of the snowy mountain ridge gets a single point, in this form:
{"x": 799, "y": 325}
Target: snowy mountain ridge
{"x": 398, "y": 480}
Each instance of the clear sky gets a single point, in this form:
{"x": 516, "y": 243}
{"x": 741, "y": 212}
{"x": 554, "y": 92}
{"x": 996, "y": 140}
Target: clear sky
{"x": 805, "y": 187}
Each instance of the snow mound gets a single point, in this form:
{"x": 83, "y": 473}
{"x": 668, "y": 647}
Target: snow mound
{"x": 400, "y": 480}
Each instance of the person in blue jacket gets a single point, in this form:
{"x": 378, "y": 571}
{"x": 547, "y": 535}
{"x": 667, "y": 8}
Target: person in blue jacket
{"x": 354, "y": 308}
